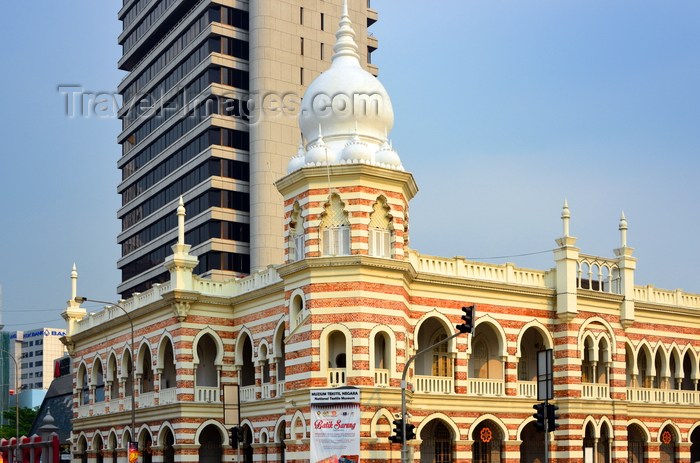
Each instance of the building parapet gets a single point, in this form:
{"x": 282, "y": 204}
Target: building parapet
{"x": 460, "y": 267}
{"x": 674, "y": 297}
{"x": 206, "y": 287}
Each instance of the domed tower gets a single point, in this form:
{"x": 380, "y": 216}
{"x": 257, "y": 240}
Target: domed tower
{"x": 346, "y": 192}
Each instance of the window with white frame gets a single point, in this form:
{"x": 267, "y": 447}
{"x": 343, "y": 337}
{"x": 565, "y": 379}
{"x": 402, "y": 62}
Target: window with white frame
{"x": 297, "y": 241}
{"x": 379, "y": 238}
{"x": 335, "y": 228}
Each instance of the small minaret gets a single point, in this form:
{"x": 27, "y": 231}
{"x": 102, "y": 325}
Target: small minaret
{"x": 181, "y": 263}
{"x": 566, "y": 257}
{"x": 73, "y": 313}
{"x": 627, "y": 264}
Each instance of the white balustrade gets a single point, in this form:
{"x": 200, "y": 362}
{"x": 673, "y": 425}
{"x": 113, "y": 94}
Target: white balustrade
{"x": 207, "y": 394}
{"x": 595, "y": 391}
{"x": 336, "y": 377}
{"x": 434, "y": 384}
{"x": 125, "y": 403}
{"x": 167, "y": 396}
{"x": 83, "y": 411}
{"x": 98, "y": 408}
{"x": 663, "y": 396}
{"x": 488, "y": 387}
{"x": 280, "y": 388}
{"x": 381, "y": 378}
{"x": 527, "y": 389}
{"x": 247, "y": 393}
{"x": 266, "y": 390}
{"x": 147, "y": 399}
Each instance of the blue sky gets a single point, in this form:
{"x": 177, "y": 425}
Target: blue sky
{"x": 504, "y": 108}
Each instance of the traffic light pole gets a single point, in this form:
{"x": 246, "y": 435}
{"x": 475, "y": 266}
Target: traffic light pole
{"x": 404, "y": 449}
{"x": 546, "y": 432}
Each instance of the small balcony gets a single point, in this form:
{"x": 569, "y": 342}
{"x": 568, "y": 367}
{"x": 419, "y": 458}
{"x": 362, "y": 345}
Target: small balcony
{"x": 595, "y": 391}
{"x": 486, "y": 387}
{"x": 336, "y": 377}
{"x": 381, "y": 378}
{"x": 434, "y": 384}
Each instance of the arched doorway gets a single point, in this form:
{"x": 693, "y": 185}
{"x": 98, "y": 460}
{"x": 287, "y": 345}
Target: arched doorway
{"x": 532, "y": 447}
{"x": 488, "y": 443}
{"x": 210, "y": 445}
{"x": 603, "y": 447}
{"x": 281, "y": 437}
{"x": 437, "y": 443}
{"x": 168, "y": 449}
{"x": 247, "y": 444}
{"x": 145, "y": 445}
{"x": 82, "y": 450}
{"x": 667, "y": 450}
{"x": 635, "y": 444}
{"x": 97, "y": 446}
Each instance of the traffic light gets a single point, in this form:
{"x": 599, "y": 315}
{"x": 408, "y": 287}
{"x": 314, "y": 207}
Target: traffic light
{"x": 552, "y": 417}
{"x": 468, "y": 317}
{"x": 397, "y": 438}
{"x": 236, "y": 435}
{"x": 410, "y": 431}
{"x": 539, "y": 416}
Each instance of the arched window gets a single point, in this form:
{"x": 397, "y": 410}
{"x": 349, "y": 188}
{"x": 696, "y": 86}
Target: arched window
{"x": 168, "y": 377}
{"x": 84, "y": 388}
{"x": 379, "y": 238}
{"x": 207, "y": 351}
{"x": 297, "y": 244}
{"x": 113, "y": 377}
{"x": 128, "y": 374}
{"x": 99, "y": 379}
{"x": 337, "y": 361}
{"x": 296, "y": 310}
{"x": 587, "y": 374}
{"x": 146, "y": 371}
{"x": 442, "y": 363}
{"x": 335, "y": 228}
{"x": 280, "y": 354}
{"x": 382, "y": 359}
{"x": 264, "y": 364}
{"x": 247, "y": 368}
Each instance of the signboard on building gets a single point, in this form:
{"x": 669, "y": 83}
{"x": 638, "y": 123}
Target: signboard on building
{"x": 335, "y": 425}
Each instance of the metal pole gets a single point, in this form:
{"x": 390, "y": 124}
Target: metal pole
{"x": 404, "y": 449}
{"x": 133, "y": 363}
{"x": 17, "y": 457}
{"x": 546, "y": 432}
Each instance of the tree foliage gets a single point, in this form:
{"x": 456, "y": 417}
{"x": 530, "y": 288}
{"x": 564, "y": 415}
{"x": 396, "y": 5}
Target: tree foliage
{"x": 26, "y": 418}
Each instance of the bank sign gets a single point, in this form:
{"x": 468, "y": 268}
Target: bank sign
{"x": 335, "y": 425}
{"x": 45, "y": 332}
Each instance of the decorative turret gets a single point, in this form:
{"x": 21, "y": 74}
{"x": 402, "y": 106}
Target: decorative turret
{"x": 346, "y": 192}
{"x": 181, "y": 263}
{"x": 626, "y": 264}
{"x": 566, "y": 257}
{"x": 73, "y": 313}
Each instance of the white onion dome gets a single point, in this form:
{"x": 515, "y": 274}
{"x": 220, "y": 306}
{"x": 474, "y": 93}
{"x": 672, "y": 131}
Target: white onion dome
{"x": 386, "y": 156}
{"x": 346, "y": 96}
{"x": 356, "y": 151}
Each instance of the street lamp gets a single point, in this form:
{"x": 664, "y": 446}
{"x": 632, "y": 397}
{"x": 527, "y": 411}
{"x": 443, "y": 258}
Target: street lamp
{"x": 16, "y": 400}
{"x": 80, "y": 300}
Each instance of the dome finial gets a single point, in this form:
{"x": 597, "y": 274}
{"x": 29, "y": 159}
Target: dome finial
{"x": 565, "y": 216}
{"x": 345, "y": 45}
{"x": 623, "y": 230}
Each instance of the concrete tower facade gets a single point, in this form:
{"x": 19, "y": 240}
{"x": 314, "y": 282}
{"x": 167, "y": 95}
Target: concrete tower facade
{"x": 210, "y": 104}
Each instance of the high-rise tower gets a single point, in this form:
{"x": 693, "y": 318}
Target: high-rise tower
{"x": 210, "y": 110}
